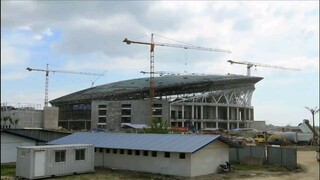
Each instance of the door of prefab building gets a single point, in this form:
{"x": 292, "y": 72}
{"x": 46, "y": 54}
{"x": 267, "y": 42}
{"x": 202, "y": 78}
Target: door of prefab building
{"x": 39, "y": 163}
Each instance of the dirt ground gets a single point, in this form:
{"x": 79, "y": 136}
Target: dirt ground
{"x": 310, "y": 169}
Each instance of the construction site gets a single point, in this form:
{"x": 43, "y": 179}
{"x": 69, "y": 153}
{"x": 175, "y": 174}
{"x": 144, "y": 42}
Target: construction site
{"x": 188, "y": 104}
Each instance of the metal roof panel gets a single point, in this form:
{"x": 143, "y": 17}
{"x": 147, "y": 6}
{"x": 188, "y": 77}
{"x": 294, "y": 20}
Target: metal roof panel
{"x": 152, "y": 142}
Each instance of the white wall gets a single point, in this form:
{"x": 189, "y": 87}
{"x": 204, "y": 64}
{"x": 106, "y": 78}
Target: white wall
{"x": 9, "y": 144}
{"x": 205, "y": 161}
{"x": 170, "y": 166}
{"x": 208, "y": 159}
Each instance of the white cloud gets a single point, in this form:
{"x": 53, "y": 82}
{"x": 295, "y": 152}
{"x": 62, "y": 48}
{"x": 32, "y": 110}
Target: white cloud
{"x": 13, "y": 76}
{"x": 48, "y": 32}
{"x": 11, "y": 56}
{"x": 102, "y": 62}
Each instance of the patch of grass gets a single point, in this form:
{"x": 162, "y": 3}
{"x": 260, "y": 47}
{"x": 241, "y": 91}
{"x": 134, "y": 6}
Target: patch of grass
{"x": 8, "y": 170}
{"x": 265, "y": 167}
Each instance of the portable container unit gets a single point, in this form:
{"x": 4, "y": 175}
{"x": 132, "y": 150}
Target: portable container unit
{"x": 35, "y": 162}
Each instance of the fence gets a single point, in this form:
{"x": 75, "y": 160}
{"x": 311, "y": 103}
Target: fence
{"x": 282, "y": 156}
{"x": 272, "y": 155}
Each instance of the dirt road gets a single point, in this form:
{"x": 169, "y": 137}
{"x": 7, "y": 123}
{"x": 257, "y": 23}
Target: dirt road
{"x": 308, "y": 162}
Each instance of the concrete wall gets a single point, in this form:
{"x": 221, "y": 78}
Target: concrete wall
{"x": 208, "y": 159}
{"x": 9, "y": 144}
{"x": 140, "y": 112}
{"x": 169, "y": 166}
{"x": 259, "y": 125}
{"x": 27, "y": 118}
{"x": 51, "y": 115}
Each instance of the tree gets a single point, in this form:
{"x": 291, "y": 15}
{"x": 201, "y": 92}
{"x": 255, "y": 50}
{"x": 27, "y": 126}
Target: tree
{"x": 5, "y": 119}
{"x": 313, "y": 112}
{"x": 1, "y": 121}
{"x": 16, "y": 122}
{"x": 10, "y": 121}
{"x": 158, "y": 126}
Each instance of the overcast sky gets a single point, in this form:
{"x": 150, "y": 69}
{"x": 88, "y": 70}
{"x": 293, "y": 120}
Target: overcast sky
{"x": 86, "y": 36}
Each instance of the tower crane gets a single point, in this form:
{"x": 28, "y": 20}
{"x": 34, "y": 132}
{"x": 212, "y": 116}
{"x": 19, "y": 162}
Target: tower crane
{"x": 251, "y": 64}
{"x": 166, "y": 73}
{"x": 152, "y": 45}
{"x": 58, "y": 71}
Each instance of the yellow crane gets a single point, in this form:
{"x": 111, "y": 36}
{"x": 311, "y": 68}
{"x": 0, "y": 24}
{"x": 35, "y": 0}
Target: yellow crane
{"x": 251, "y": 64}
{"x": 56, "y": 71}
{"x": 152, "y": 45}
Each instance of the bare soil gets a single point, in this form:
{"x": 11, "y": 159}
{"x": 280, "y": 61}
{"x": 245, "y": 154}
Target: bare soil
{"x": 308, "y": 163}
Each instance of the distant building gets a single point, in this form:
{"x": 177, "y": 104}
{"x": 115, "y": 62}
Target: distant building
{"x": 9, "y": 143}
{"x": 259, "y": 125}
{"x": 169, "y": 154}
{"x": 197, "y": 101}
{"x": 28, "y": 117}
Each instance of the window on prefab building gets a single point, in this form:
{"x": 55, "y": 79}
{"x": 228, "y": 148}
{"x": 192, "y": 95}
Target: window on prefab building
{"x": 100, "y": 150}
{"x": 137, "y": 152}
{"x": 154, "y": 153}
{"x": 145, "y": 153}
{"x": 95, "y": 149}
{"x": 121, "y": 151}
{"x": 166, "y": 154}
{"x": 60, "y": 156}
{"x": 24, "y": 153}
{"x": 114, "y": 151}
{"x": 182, "y": 155}
{"x": 80, "y": 154}
{"x": 107, "y": 150}
{"x": 129, "y": 152}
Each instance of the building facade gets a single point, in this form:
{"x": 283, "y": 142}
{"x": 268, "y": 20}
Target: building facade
{"x": 198, "y": 102}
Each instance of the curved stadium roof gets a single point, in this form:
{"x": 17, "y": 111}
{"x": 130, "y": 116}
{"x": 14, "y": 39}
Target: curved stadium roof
{"x": 164, "y": 85}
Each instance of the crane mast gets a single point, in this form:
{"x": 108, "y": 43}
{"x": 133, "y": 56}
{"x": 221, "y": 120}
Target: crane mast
{"x": 46, "y": 102}
{"x": 152, "y": 45}
{"x": 251, "y": 64}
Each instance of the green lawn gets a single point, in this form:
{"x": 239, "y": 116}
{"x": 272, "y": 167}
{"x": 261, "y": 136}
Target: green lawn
{"x": 8, "y": 170}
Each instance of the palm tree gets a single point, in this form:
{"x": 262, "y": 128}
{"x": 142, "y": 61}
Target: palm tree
{"x": 10, "y": 121}
{"x": 313, "y": 112}
{"x": 16, "y": 123}
{"x": 5, "y": 119}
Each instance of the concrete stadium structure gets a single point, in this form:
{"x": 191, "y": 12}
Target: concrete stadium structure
{"x": 203, "y": 101}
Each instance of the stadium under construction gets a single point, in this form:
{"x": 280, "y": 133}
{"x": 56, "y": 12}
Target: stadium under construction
{"x": 200, "y": 101}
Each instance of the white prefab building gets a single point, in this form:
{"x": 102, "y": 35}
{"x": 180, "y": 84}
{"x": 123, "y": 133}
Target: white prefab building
{"x": 9, "y": 143}
{"x": 35, "y": 162}
{"x": 169, "y": 154}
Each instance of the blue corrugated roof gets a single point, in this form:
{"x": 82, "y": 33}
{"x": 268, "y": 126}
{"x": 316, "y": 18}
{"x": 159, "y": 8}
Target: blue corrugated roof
{"x": 183, "y": 143}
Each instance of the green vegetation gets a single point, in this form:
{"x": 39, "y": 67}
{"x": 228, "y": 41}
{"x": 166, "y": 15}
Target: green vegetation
{"x": 265, "y": 167}
{"x": 158, "y": 126}
{"x": 8, "y": 170}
